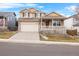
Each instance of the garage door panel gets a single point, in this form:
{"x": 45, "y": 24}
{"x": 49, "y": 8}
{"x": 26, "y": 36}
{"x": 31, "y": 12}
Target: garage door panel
{"x": 29, "y": 26}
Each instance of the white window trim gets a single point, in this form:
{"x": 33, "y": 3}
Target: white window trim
{"x": 56, "y": 22}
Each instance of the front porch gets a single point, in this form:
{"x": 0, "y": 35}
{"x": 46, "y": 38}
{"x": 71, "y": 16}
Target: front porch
{"x": 55, "y": 26}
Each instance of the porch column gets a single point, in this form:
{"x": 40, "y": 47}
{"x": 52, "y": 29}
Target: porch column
{"x": 41, "y": 22}
{"x": 52, "y": 22}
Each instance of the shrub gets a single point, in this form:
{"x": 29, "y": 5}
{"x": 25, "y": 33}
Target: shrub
{"x": 72, "y": 32}
{"x": 13, "y": 28}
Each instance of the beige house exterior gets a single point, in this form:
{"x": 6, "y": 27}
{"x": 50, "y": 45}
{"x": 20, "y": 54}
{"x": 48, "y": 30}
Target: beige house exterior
{"x": 32, "y": 20}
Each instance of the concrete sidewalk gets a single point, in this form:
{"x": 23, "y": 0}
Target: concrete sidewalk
{"x": 39, "y": 42}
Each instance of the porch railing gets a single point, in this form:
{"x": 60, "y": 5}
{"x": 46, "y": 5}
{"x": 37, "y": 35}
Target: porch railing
{"x": 56, "y": 29}
{"x": 52, "y": 27}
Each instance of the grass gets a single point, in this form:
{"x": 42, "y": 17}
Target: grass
{"x": 7, "y": 34}
{"x": 62, "y": 38}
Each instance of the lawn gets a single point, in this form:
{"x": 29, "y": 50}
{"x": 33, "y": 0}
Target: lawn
{"x": 61, "y": 38}
{"x": 7, "y": 34}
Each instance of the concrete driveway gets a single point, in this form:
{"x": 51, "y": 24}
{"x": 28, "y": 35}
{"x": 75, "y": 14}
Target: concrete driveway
{"x": 28, "y": 36}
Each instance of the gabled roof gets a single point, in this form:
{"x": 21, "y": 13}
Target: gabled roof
{"x": 74, "y": 16}
{"x": 54, "y": 14}
{"x": 50, "y": 15}
{"x": 31, "y": 10}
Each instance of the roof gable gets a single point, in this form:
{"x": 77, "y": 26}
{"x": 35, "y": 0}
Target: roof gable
{"x": 31, "y": 10}
{"x": 76, "y": 16}
{"x": 54, "y": 14}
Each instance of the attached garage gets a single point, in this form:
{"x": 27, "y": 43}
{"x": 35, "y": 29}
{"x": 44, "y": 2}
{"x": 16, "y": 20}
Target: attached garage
{"x": 29, "y": 26}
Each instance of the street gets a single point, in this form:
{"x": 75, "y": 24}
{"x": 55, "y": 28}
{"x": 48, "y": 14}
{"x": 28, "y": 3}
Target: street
{"x": 31, "y": 49}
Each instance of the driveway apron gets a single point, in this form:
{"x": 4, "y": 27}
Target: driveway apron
{"x": 31, "y": 36}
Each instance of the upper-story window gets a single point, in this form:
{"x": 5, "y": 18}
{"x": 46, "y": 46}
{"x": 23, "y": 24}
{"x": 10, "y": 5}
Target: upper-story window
{"x": 40, "y": 14}
{"x": 23, "y": 14}
{"x": 35, "y": 15}
{"x": 32, "y": 15}
{"x": 26, "y": 15}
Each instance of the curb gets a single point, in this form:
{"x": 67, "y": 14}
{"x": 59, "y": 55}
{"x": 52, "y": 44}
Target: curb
{"x": 39, "y": 42}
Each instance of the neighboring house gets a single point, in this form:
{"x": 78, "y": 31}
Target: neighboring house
{"x": 72, "y": 22}
{"x": 34, "y": 21}
{"x": 7, "y": 20}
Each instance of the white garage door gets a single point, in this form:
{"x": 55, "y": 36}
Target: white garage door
{"x": 29, "y": 26}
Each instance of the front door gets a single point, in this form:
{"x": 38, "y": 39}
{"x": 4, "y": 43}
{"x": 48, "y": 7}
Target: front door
{"x": 47, "y": 22}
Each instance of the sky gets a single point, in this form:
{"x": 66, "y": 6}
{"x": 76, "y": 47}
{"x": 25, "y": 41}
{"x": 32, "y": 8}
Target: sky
{"x": 66, "y": 9}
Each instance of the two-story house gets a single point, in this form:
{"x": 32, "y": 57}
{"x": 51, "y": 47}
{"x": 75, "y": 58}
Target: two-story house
{"x": 34, "y": 21}
{"x": 7, "y": 20}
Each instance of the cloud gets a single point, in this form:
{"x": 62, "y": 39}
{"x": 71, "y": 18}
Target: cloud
{"x": 64, "y": 13}
{"x": 71, "y": 8}
{"x": 40, "y": 6}
{"x": 20, "y": 5}
{"x": 34, "y": 5}
{"x": 16, "y": 5}
{"x": 10, "y": 5}
{"x": 31, "y": 5}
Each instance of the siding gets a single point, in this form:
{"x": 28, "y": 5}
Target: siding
{"x": 10, "y": 17}
{"x": 68, "y": 23}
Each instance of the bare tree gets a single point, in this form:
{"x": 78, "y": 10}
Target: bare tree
{"x": 77, "y": 10}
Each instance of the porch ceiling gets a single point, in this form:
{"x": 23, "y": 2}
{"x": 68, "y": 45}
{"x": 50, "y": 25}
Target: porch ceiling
{"x": 50, "y": 18}
{"x": 54, "y": 18}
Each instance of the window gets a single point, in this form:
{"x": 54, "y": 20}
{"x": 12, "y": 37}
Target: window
{"x": 32, "y": 15}
{"x": 1, "y": 20}
{"x": 5, "y": 21}
{"x": 35, "y": 15}
{"x": 56, "y": 23}
{"x": 23, "y": 15}
{"x": 40, "y": 14}
{"x": 26, "y": 15}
